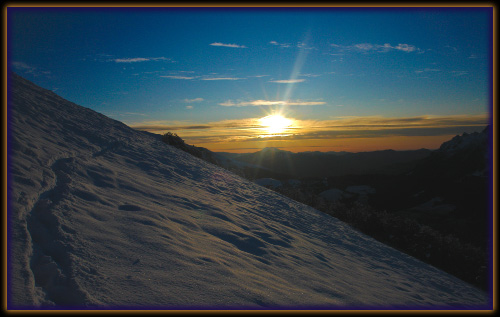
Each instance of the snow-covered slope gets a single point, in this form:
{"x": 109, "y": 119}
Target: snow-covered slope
{"x": 104, "y": 215}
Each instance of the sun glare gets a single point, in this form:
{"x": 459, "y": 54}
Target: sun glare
{"x": 275, "y": 124}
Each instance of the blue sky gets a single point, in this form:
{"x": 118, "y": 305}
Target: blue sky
{"x": 210, "y": 74}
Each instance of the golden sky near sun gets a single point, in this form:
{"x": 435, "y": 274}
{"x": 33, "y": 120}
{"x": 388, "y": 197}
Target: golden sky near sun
{"x": 324, "y": 145}
{"x": 352, "y": 134}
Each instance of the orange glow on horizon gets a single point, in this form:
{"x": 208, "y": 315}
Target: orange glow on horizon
{"x": 350, "y": 134}
{"x": 398, "y": 143}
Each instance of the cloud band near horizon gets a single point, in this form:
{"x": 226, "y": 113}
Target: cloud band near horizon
{"x": 230, "y": 103}
{"x": 302, "y": 131}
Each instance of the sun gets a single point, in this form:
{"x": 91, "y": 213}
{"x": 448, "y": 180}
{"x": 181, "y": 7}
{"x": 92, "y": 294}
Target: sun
{"x": 275, "y": 124}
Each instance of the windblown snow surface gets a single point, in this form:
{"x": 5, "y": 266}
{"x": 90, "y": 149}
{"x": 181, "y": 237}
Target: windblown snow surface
{"x": 102, "y": 215}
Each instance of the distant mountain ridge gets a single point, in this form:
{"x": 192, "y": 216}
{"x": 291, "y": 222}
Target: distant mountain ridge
{"x": 463, "y": 155}
{"x": 467, "y": 141}
{"x": 328, "y": 164}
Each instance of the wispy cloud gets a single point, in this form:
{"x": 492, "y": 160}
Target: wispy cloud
{"x": 287, "y": 81}
{"x": 376, "y": 48}
{"x": 310, "y": 75}
{"x": 216, "y": 127}
{"x": 300, "y": 45}
{"x": 304, "y": 46}
{"x": 305, "y": 103}
{"x": 193, "y": 100}
{"x": 23, "y": 66}
{"x": 283, "y": 45}
{"x": 130, "y": 60}
{"x": 125, "y": 114}
{"x": 459, "y": 72}
{"x": 230, "y": 103}
{"x": 250, "y": 130}
{"x": 133, "y": 114}
{"x": 405, "y": 48}
{"x": 228, "y": 45}
{"x": 157, "y": 127}
{"x": 378, "y": 126}
{"x": 427, "y": 70}
{"x": 28, "y": 69}
{"x": 139, "y": 59}
{"x": 179, "y": 77}
{"x": 205, "y": 77}
{"x": 452, "y": 48}
{"x": 377, "y": 122}
{"x": 189, "y": 107}
{"x": 222, "y": 78}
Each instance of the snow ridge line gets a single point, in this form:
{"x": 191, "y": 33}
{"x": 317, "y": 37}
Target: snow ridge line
{"x": 50, "y": 260}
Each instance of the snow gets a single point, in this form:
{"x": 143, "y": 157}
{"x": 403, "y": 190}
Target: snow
{"x": 465, "y": 141}
{"x": 102, "y": 215}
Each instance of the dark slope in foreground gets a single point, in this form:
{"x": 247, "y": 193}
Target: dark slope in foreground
{"x": 103, "y": 215}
